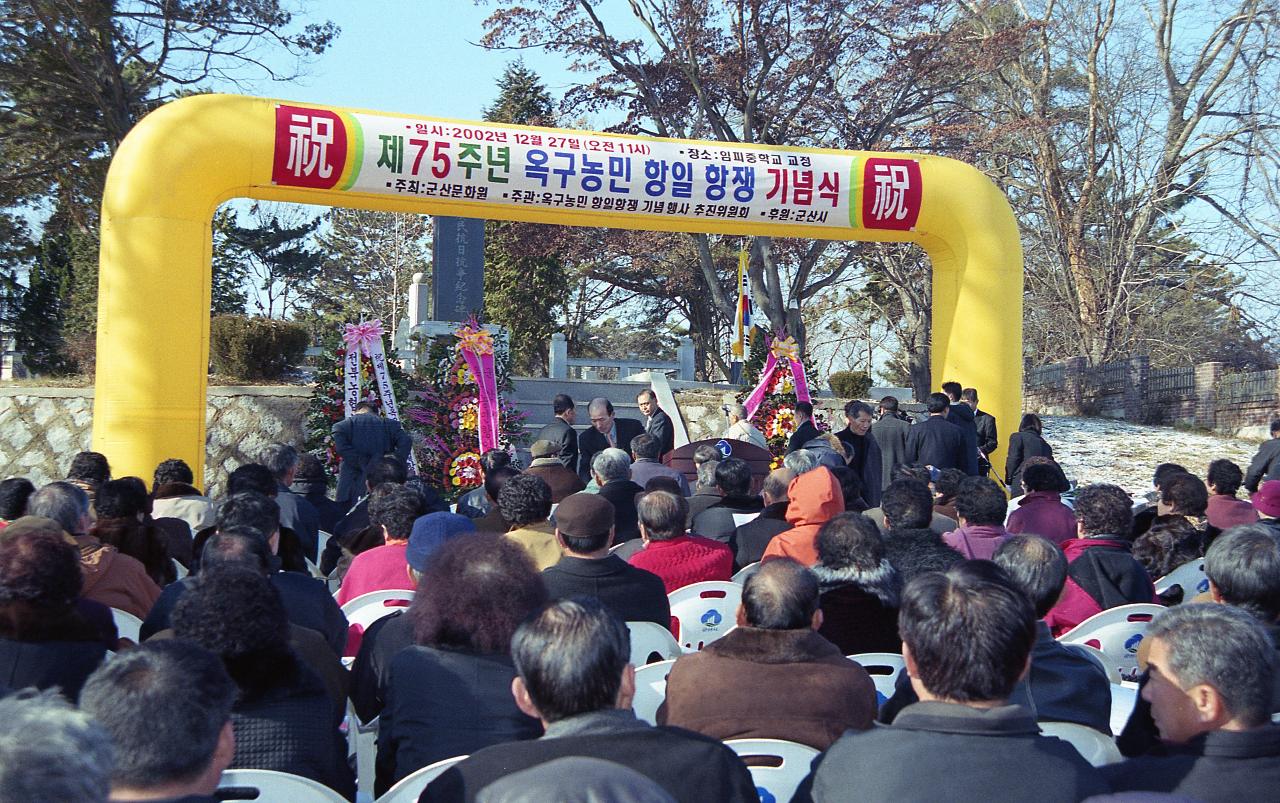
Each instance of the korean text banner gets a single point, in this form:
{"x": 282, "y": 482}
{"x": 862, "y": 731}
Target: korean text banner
{"x": 494, "y": 164}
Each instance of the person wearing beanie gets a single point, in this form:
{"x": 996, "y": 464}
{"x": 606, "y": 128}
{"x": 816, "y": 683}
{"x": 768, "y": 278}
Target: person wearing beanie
{"x": 1266, "y": 500}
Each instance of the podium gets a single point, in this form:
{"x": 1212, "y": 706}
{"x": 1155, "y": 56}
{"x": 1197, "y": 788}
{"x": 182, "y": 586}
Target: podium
{"x": 757, "y": 459}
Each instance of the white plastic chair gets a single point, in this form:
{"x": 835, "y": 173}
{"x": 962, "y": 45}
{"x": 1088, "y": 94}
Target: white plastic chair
{"x": 745, "y": 572}
{"x": 322, "y": 540}
{"x": 651, "y": 690}
{"x": 1116, "y": 633}
{"x": 1124, "y": 697}
{"x": 1189, "y": 575}
{"x": 179, "y": 570}
{"x": 705, "y": 612}
{"x": 269, "y": 786}
{"x": 775, "y": 782}
{"x": 127, "y": 625}
{"x": 884, "y": 668}
{"x": 1099, "y": 659}
{"x": 409, "y": 788}
{"x": 648, "y": 638}
{"x": 1096, "y": 747}
{"x": 366, "y": 609}
{"x": 362, "y": 742}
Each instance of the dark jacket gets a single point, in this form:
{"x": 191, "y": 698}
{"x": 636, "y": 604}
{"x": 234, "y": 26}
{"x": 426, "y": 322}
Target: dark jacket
{"x": 961, "y": 415}
{"x": 622, "y": 495}
{"x": 646, "y": 468}
{"x": 717, "y": 522}
{"x": 591, "y": 443}
{"x": 1221, "y": 766}
{"x": 307, "y": 602}
{"x": 860, "y": 609}
{"x": 285, "y": 721}
{"x": 633, "y": 595}
{"x": 890, "y": 433}
{"x": 935, "y": 442}
{"x": 561, "y": 432}
{"x": 988, "y": 438}
{"x": 1023, "y": 444}
{"x": 1264, "y": 466}
{"x": 691, "y": 767}
{"x": 177, "y": 536}
{"x": 866, "y": 459}
{"x": 803, "y": 434}
{"x": 914, "y": 552}
{"x": 361, "y": 439}
{"x": 660, "y": 427}
{"x": 443, "y": 703}
{"x": 1061, "y": 686}
{"x": 316, "y": 492}
{"x": 560, "y": 480}
{"x": 752, "y": 538}
{"x": 48, "y": 650}
{"x": 945, "y": 751}
{"x": 382, "y": 641}
{"x": 1101, "y": 574}
{"x": 298, "y": 515}
{"x": 769, "y": 684}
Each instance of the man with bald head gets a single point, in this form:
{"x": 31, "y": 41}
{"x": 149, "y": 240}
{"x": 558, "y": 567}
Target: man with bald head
{"x": 606, "y": 431}
{"x": 773, "y": 676}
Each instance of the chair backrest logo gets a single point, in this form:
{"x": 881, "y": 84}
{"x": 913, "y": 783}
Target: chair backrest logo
{"x": 1131, "y": 643}
{"x": 712, "y": 618}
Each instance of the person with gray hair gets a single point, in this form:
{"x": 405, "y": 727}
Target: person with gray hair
{"x": 296, "y": 512}
{"x": 773, "y": 676}
{"x": 676, "y": 556}
{"x": 1211, "y": 676}
{"x": 167, "y": 706}
{"x": 573, "y": 674}
{"x": 801, "y": 461}
{"x": 110, "y": 577}
{"x": 752, "y": 538}
{"x": 740, "y": 429}
{"x": 51, "y": 753}
{"x": 606, "y": 431}
{"x": 611, "y": 472}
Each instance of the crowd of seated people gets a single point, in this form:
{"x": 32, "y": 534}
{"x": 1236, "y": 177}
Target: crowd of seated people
{"x": 514, "y": 648}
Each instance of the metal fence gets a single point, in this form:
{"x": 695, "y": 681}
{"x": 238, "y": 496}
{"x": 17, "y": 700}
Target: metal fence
{"x": 1049, "y": 375}
{"x": 1171, "y": 382}
{"x": 1257, "y": 386}
{"x": 1112, "y": 377}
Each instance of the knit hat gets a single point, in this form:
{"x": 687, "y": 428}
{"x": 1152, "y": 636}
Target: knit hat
{"x": 430, "y": 532}
{"x": 1267, "y": 500}
{"x": 544, "y": 448}
{"x": 584, "y": 515}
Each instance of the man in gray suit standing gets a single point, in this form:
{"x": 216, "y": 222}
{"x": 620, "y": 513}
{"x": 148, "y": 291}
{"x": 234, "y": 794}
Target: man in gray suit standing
{"x": 361, "y": 438}
{"x": 890, "y": 433}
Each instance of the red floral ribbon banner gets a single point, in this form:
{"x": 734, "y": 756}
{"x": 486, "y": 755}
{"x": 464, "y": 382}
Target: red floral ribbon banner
{"x": 476, "y": 347}
{"x": 366, "y": 337}
{"x": 783, "y": 353}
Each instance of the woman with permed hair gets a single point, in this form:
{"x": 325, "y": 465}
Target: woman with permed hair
{"x": 450, "y": 695}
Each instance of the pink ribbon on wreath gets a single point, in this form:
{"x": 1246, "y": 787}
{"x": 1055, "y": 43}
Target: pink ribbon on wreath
{"x": 783, "y": 353}
{"x": 476, "y": 347}
{"x": 366, "y": 337}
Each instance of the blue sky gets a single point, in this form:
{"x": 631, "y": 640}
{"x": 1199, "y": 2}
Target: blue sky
{"x": 410, "y": 57}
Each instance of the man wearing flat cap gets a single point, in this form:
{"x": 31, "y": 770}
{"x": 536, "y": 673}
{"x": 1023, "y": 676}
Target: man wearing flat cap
{"x": 547, "y": 465}
{"x": 584, "y": 530}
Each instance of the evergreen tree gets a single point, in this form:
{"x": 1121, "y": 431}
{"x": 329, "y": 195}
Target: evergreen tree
{"x": 524, "y": 286}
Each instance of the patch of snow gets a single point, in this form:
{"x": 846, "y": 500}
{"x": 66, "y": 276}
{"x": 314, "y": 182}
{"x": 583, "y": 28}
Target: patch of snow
{"x": 1105, "y": 450}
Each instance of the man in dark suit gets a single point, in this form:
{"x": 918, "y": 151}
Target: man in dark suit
{"x": 606, "y": 431}
{"x": 985, "y": 423}
{"x": 584, "y": 529}
{"x": 805, "y": 429}
{"x": 864, "y": 451}
{"x": 1266, "y": 463}
{"x": 935, "y": 441}
{"x": 961, "y": 415}
{"x": 361, "y": 438}
{"x": 611, "y": 469}
{"x": 561, "y": 432}
{"x": 890, "y": 433}
{"x": 573, "y": 674}
{"x": 657, "y": 423}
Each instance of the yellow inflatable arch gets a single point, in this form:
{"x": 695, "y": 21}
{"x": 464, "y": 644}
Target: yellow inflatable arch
{"x": 183, "y": 160}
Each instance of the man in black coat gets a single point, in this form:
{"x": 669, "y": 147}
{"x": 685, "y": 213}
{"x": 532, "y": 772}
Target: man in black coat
{"x": 1211, "y": 672}
{"x": 985, "y": 423}
{"x": 657, "y": 422}
{"x": 584, "y": 528}
{"x": 574, "y": 675}
{"x": 360, "y": 439}
{"x": 561, "y": 431}
{"x": 961, "y": 415}
{"x": 805, "y": 429}
{"x": 864, "y": 452}
{"x": 1266, "y": 463}
{"x": 967, "y": 635}
{"x": 935, "y": 441}
{"x": 753, "y": 538}
{"x": 605, "y": 431}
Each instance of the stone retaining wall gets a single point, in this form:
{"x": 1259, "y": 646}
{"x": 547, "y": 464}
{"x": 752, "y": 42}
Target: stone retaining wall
{"x": 42, "y": 428}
